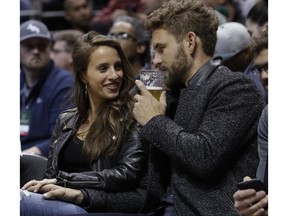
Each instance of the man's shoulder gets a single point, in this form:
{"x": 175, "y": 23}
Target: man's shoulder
{"x": 59, "y": 78}
{"x": 224, "y": 74}
{"x": 59, "y": 73}
{"x": 232, "y": 83}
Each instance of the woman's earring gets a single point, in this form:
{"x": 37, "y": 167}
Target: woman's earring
{"x": 86, "y": 93}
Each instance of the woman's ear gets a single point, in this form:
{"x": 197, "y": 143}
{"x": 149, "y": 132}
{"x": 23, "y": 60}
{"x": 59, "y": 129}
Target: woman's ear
{"x": 83, "y": 78}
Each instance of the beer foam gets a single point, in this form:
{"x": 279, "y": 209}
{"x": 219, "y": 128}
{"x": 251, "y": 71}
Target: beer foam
{"x": 154, "y": 88}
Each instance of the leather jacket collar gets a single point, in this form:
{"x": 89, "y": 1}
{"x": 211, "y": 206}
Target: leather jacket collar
{"x": 204, "y": 72}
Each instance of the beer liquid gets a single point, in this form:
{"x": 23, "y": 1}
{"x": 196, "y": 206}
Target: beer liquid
{"x": 155, "y": 91}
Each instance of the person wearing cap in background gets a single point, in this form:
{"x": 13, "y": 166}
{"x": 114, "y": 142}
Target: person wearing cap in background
{"x": 232, "y": 45}
{"x": 43, "y": 88}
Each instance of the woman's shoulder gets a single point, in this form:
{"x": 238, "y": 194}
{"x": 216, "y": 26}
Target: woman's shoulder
{"x": 67, "y": 114}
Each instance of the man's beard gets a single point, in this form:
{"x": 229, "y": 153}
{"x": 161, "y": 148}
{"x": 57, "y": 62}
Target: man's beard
{"x": 36, "y": 68}
{"x": 175, "y": 74}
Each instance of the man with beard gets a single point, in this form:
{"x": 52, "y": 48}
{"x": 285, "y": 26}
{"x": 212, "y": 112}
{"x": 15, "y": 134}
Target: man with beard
{"x": 211, "y": 141}
{"x": 79, "y": 14}
{"x": 43, "y": 88}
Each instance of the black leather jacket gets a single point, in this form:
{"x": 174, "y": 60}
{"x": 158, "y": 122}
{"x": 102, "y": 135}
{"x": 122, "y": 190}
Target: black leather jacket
{"x": 120, "y": 172}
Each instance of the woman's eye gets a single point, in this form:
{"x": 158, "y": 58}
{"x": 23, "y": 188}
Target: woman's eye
{"x": 118, "y": 67}
{"x": 102, "y": 68}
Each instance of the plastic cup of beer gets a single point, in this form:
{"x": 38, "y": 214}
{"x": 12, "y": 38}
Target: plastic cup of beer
{"x": 153, "y": 80}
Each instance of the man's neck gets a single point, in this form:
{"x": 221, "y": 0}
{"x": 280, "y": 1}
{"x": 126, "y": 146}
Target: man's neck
{"x": 31, "y": 77}
{"x": 196, "y": 66}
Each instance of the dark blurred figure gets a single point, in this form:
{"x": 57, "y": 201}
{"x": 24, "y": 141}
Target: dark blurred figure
{"x": 103, "y": 21}
{"x": 257, "y": 23}
{"x": 78, "y": 13}
{"x": 134, "y": 40}
{"x": 232, "y": 45}
{"x": 151, "y": 5}
{"x": 25, "y": 5}
{"x": 56, "y": 20}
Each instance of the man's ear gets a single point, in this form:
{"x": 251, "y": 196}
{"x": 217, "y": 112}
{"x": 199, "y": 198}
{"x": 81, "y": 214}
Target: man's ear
{"x": 265, "y": 27}
{"x": 192, "y": 43}
{"x": 141, "y": 48}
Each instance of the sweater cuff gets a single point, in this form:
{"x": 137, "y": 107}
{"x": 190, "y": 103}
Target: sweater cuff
{"x": 86, "y": 199}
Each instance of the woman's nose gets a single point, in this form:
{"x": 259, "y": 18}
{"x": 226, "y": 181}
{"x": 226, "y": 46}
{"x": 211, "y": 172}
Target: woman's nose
{"x": 113, "y": 74}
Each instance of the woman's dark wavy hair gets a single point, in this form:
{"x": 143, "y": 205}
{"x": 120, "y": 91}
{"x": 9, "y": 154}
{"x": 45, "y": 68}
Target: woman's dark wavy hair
{"x": 115, "y": 117}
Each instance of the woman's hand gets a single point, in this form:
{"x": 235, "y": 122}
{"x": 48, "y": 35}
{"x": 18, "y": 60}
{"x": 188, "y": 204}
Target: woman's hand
{"x": 35, "y": 186}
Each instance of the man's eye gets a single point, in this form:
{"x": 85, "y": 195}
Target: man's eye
{"x": 160, "y": 50}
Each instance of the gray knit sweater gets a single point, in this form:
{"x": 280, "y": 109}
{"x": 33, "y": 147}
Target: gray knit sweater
{"x": 212, "y": 141}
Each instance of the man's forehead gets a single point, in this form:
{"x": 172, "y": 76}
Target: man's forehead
{"x": 161, "y": 37}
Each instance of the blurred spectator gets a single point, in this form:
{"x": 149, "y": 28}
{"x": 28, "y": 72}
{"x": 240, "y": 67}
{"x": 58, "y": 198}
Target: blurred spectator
{"x": 250, "y": 202}
{"x": 257, "y": 19}
{"x": 78, "y": 14}
{"x": 228, "y": 8}
{"x": 244, "y": 7}
{"x": 134, "y": 40}
{"x": 99, "y": 4}
{"x": 151, "y": 5}
{"x": 221, "y": 16}
{"x": 103, "y": 21}
{"x": 232, "y": 45}
{"x": 25, "y": 5}
{"x": 54, "y": 19}
{"x": 52, "y": 5}
{"x": 43, "y": 88}
{"x": 257, "y": 23}
{"x": 63, "y": 42}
